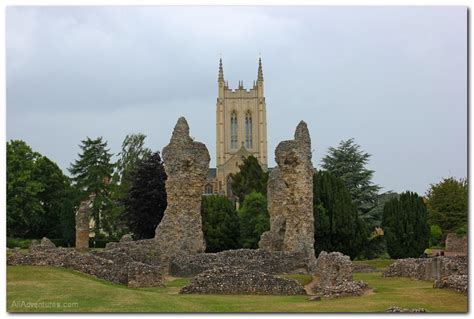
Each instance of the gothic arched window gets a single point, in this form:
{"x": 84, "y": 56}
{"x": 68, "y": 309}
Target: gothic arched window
{"x": 248, "y": 130}
{"x": 233, "y": 130}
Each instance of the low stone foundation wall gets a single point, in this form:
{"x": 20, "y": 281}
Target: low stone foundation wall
{"x": 335, "y": 276}
{"x": 251, "y": 259}
{"x": 455, "y": 282}
{"x": 116, "y": 267}
{"x": 232, "y": 280}
{"x": 428, "y": 268}
{"x": 446, "y": 272}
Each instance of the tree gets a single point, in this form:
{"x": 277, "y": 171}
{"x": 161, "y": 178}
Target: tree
{"x": 146, "y": 201}
{"x": 349, "y": 162}
{"x": 336, "y": 222}
{"x": 132, "y": 154}
{"x": 250, "y": 178}
{"x": 24, "y": 208}
{"x": 447, "y": 204}
{"x": 254, "y": 219}
{"x": 435, "y": 235}
{"x": 37, "y": 191}
{"x": 92, "y": 173}
{"x": 220, "y": 223}
{"x": 405, "y": 226}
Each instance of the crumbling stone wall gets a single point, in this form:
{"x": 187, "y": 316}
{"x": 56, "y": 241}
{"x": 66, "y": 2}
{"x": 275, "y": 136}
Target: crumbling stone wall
{"x": 290, "y": 198}
{"x": 234, "y": 280}
{"x": 82, "y": 225}
{"x": 186, "y": 164}
{"x": 456, "y": 243}
{"x": 334, "y": 271}
{"x": 446, "y": 271}
{"x": 277, "y": 262}
{"x": 117, "y": 267}
{"x": 428, "y": 268}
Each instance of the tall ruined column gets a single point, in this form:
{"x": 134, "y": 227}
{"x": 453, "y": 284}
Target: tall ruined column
{"x": 82, "y": 225}
{"x": 290, "y": 198}
{"x": 186, "y": 164}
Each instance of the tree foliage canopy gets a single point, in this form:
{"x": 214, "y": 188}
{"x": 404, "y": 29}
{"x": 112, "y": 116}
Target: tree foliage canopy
{"x": 349, "y": 162}
{"x": 405, "y": 225}
{"x": 220, "y": 224}
{"x": 254, "y": 219}
{"x": 92, "y": 173}
{"x": 40, "y": 200}
{"x": 447, "y": 204}
{"x": 250, "y": 178}
{"x": 146, "y": 202}
{"x": 337, "y": 224}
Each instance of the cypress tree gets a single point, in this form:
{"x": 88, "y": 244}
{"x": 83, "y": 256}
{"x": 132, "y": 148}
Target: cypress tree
{"x": 337, "y": 224}
{"x": 220, "y": 223}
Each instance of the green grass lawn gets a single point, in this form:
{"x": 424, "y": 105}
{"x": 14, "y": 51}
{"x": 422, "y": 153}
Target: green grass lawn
{"x": 380, "y": 264}
{"x": 76, "y": 292}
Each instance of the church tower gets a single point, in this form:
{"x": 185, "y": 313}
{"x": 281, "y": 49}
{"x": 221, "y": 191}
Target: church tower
{"x": 241, "y": 127}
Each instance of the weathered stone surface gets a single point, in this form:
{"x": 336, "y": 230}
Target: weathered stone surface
{"x": 399, "y": 309}
{"x": 82, "y": 225}
{"x": 233, "y": 280}
{"x": 121, "y": 268}
{"x": 456, "y": 282}
{"x": 277, "y": 262}
{"x": 126, "y": 238}
{"x": 346, "y": 288}
{"x": 333, "y": 268}
{"x": 456, "y": 243}
{"x": 428, "y": 268}
{"x": 290, "y": 198}
{"x": 141, "y": 275}
{"x": 44, "y": 244}
{"x": 186, "y": 165}
{"x": 145, "y": 251}
{"x": 335, "y": 276}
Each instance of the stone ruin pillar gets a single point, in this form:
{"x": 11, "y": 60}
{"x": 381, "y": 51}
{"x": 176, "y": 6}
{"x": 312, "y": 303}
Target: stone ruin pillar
{"x": 290, "y": 198}
{"x": 82, "y": 225}
{"x": 186, "y": 164}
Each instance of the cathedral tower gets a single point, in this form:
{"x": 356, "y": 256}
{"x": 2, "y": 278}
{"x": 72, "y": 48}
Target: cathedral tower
{"x": 241, "y": 127}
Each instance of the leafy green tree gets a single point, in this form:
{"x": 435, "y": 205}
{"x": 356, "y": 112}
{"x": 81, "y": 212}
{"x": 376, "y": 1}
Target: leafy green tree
{"x": 250, "y": 178}
{"x": 254, "y": 219}
{"x": 349, "y": 162}
{"x": 435, "y": 235}
{"x": 92, "y": 174}
{"x": 24, "y": 209}
{"x": 220, "y": 223}
{"x": 405, "y": 225}
{"x": 337, "y": 224}
{"x": 36, "y": 192}
{"x": 447, "y": 204}
{"x": 146, "y": 201}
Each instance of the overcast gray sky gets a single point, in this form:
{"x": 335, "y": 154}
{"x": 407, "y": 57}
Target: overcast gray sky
{"x": 393, "y": 78}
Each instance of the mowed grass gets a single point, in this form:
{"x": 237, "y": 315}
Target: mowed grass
{"x": 380, "y": 264}
{"x": 71, "y": 291}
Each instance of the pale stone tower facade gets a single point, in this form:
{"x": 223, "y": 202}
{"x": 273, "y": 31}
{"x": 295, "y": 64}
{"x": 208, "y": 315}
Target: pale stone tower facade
{"x": 241, "y": 129}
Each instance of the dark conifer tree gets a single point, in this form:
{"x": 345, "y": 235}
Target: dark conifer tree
{"x": 146, "y": 201}
{"x": 92, "y": 174}
{"x": 337, "y": 224}
{"x": 220, "y": 223}
{"x": 250, "y": 178}
{"x": 405, "y": 226}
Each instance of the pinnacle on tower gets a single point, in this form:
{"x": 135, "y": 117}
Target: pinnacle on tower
{"x": 260, "y": 71}
{"x": 221, "y": 71}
